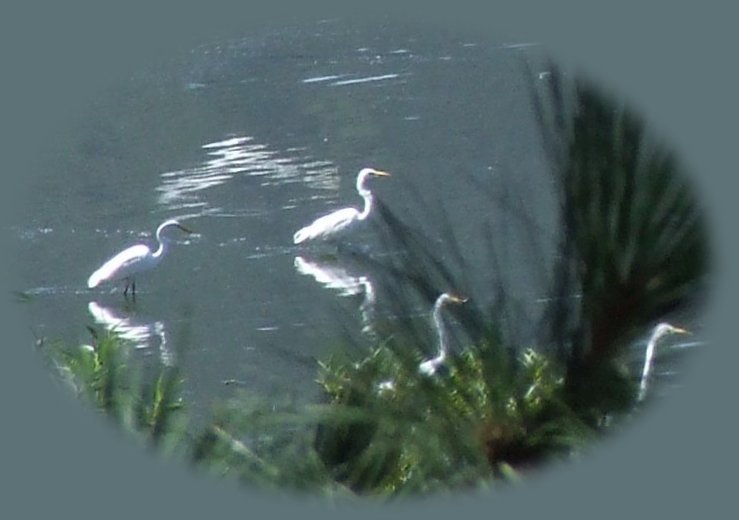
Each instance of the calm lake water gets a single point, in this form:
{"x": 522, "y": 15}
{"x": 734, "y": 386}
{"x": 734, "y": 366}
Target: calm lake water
{"x": 248, "y": 140}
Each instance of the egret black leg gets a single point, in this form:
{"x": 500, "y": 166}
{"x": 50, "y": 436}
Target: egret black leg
{"x": 130, "y": 284}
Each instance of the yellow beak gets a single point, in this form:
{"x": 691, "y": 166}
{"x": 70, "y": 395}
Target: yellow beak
{"x": 458, "y": 299}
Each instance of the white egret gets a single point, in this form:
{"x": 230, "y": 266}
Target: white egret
{"x": 662, "y": 329}
{"x": 329, "y": 226}
{"x": 133, "y": 260}
{"x": 430, "y": 366}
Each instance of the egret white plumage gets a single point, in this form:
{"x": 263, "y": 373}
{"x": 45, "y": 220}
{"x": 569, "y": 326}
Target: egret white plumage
{"x": 133, "y": 260}
{"x": 329, "y": 226}
{"x": 430, "y": 366}
{"x": 662, "y": 329}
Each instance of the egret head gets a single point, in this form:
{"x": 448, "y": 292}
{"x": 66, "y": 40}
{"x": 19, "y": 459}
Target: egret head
{"x": 175, "y": 223}
{"x": 664, "y": 328}
{"x": 365, "y": 173}
{"x": 447, "y": 297}
{"x": 378, "y": 173}
{"x": 371, "y": 172}
{"x": 451, "y": 298}
{"x": 171, "y": 223}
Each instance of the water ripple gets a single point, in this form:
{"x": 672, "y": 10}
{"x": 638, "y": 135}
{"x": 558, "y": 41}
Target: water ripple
{"x": 319, "y": 79}
{"x": 241, "y": 155}
{"x": 365, "y": 80}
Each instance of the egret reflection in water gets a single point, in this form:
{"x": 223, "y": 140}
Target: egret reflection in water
{"x": 332, "y": 275}
{"x": 149, "y": 336}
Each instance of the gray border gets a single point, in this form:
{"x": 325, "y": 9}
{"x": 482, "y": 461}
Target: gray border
{"x": 674, "y": 62}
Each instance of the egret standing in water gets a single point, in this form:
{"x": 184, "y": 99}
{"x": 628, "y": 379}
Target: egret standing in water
{"x": 133, "y": 260}
{"x": 331, "y": 225}
{"x": 430, "y": 366}
{"x": 660, "y": 330}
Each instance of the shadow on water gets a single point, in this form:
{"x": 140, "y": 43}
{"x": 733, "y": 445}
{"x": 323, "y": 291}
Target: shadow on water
{"x": 526, "y": 381}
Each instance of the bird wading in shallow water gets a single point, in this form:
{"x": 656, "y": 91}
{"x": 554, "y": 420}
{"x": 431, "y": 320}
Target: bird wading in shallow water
{"x": 330, "y": 226}
{"x": 430, "y": 366}
{"x": 661, "y": 330}
{"x": 133, "y": 260}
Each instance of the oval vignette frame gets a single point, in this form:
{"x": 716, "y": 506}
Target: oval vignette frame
{"x": 85, "y": 425}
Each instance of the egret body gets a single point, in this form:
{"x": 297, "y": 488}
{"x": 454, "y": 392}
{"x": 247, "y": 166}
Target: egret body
{"x": 430, "y": 366}
{"x": 660, "y": 331}
{"x": 133, "y": 260}
{"x": 331, "y": 225}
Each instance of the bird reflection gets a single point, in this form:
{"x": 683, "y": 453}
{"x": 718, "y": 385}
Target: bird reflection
{"x": 144, "y": 335}
{"x": 329, "y": 273}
